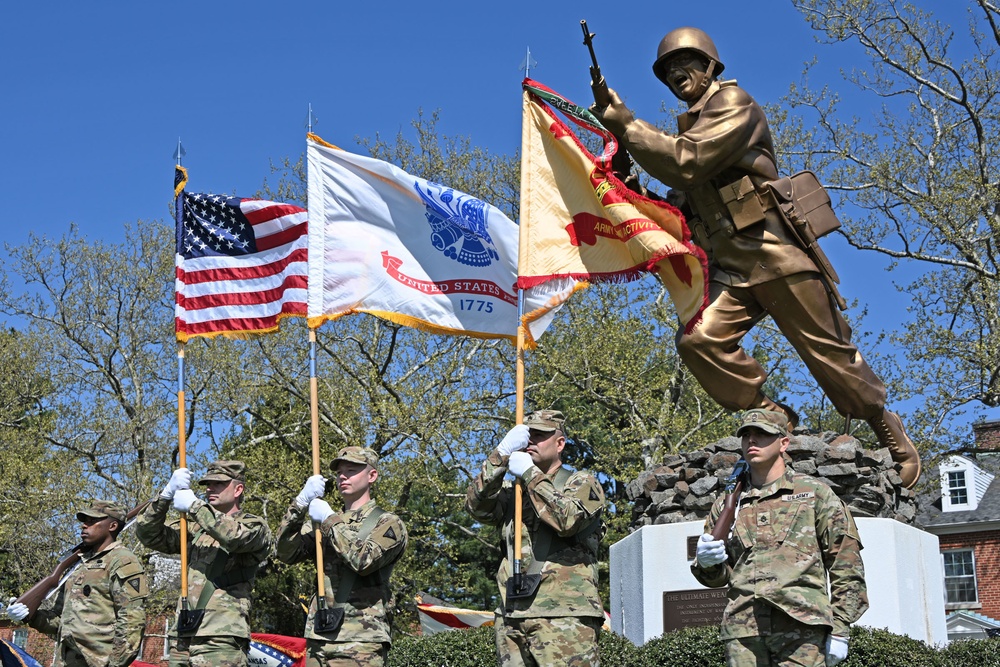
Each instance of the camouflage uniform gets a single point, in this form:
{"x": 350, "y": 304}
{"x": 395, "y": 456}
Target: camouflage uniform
{"x": 789, "y": 538}
{"x": 243, "y": 542}
{"x": 97, "y": 616}
{"x": 559, "y": 624}
{"x": 363, "y": 637}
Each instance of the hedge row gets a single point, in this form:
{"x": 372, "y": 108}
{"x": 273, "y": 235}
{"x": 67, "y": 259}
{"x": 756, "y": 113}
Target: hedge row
{"x": 695, "y": 647}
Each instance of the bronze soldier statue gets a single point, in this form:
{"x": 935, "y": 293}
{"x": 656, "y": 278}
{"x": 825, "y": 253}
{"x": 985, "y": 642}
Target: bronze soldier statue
{"x": 722, "y": 168}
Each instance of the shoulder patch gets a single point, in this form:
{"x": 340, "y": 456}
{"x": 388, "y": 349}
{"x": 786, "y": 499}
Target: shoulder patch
{"x": 389, "y": 533}
{"x": 805, "y": 495}
{"x": 136, "y": 587}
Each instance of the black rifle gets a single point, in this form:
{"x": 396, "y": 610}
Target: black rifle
{"x": 621, "y": 162}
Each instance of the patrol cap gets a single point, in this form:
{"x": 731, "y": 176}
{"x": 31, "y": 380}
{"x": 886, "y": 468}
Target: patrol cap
{"x": 768, "y": 421}
{"x": 545, "y": 420}
{"x": 362, "y": 455}
{"x": 225, "y": 471}
{"x": 101, "y": 509}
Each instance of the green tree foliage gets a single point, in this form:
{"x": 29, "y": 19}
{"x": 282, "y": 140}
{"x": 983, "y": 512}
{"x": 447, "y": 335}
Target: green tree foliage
{"x": 35, "y": 483}
{"x": 99, "y": 315}
{"x": 917, "y": 179}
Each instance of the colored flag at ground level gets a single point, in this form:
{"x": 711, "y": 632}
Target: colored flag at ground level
{"x": 580, "y": 221}
{"x": 413, "y": 251}
{"x": 241, "y": 264}
{"x": 12, "y": 655}
{"x": 439, "y": 618}
{"x": 267, "y": 650}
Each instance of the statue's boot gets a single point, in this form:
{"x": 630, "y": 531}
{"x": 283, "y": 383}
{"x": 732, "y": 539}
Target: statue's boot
{"x": 762, "y": 402}
{"x": 890, "y": 433}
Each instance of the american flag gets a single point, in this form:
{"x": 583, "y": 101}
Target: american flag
{"x": 241, "y": 264}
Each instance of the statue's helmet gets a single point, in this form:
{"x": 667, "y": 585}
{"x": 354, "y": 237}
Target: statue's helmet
{"x": 685, "y": 39}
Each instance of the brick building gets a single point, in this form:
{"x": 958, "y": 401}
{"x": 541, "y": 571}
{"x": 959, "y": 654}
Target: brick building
{"x": 962, "y": 507}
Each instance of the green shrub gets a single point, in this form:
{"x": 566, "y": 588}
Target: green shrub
{"x": 617, "y": 651}
{"x": 694, "y": 647}
{"x": 690, "y": 647}
{"x": 458, "y": 648}
{"x": 870, "y": 647}
{"x": 972, "y": 653}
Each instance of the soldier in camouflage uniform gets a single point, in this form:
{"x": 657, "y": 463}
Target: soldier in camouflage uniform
{"x": 97, "y": 616}
{"x": 561, "y": 532}
{"x": 225, "y": 548}
{"x": 792, "y": 535}
{"x": 360, "y": 547}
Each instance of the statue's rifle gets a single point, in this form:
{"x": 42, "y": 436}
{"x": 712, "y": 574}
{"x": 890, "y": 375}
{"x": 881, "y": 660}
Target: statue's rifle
{"x": 621, "y": 162}
{"x": 35, "y": 595}
{"x": 734, "y": 488}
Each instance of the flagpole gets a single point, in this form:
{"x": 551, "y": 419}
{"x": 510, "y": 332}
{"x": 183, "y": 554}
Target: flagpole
{"x": 182, "y": 463}
{"x": 180, "y": 181}
{"x": 519, "y": 418}
{"x": 314, "y": 418}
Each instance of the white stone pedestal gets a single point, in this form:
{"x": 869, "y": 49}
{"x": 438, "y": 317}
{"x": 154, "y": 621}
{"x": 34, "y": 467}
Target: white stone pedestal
{"x": 902, "y": 570}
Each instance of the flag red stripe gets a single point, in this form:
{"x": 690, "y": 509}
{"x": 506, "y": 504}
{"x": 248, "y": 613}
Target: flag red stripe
{"x": 243, "y": 298}
{"x": 242, "y": 272}
{"x": 282, "y": 237}
{"x": 445, "y": 618}
{"x": 238, "y": 324}
{"x": 269, "y": 213}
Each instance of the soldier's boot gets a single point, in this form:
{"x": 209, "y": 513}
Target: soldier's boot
{"x": 762, "y": 402}
{"x": 890, "y": 433}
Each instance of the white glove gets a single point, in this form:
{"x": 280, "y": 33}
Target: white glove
{"x": 836, "y": 649}
{"x": 17, "y": 611}
{"x": 710, "y": 552}
{"x": 519, "y": 463}
{"x": 320, "y": 510}
{"x": 515, "y": 440}
{"x": 181, "y": 479}
{"x": 183, "y": 500}
{"x": 314, "y": 488}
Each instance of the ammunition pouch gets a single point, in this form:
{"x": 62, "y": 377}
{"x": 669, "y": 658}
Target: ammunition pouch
{"x": 745, "y": 206}
{"x": 810, "y": 200}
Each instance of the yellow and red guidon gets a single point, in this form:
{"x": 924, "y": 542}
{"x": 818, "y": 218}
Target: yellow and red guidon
{"x": 578, "y": 220}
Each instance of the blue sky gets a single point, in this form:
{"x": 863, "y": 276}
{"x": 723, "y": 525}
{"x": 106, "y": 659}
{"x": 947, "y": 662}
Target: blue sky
{"x": 97, "y": 94}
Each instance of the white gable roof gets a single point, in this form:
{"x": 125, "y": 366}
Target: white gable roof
{"x": 976, "y": 481}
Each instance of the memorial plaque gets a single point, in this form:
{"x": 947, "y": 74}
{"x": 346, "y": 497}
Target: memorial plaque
{"x": 693, "y": 608}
